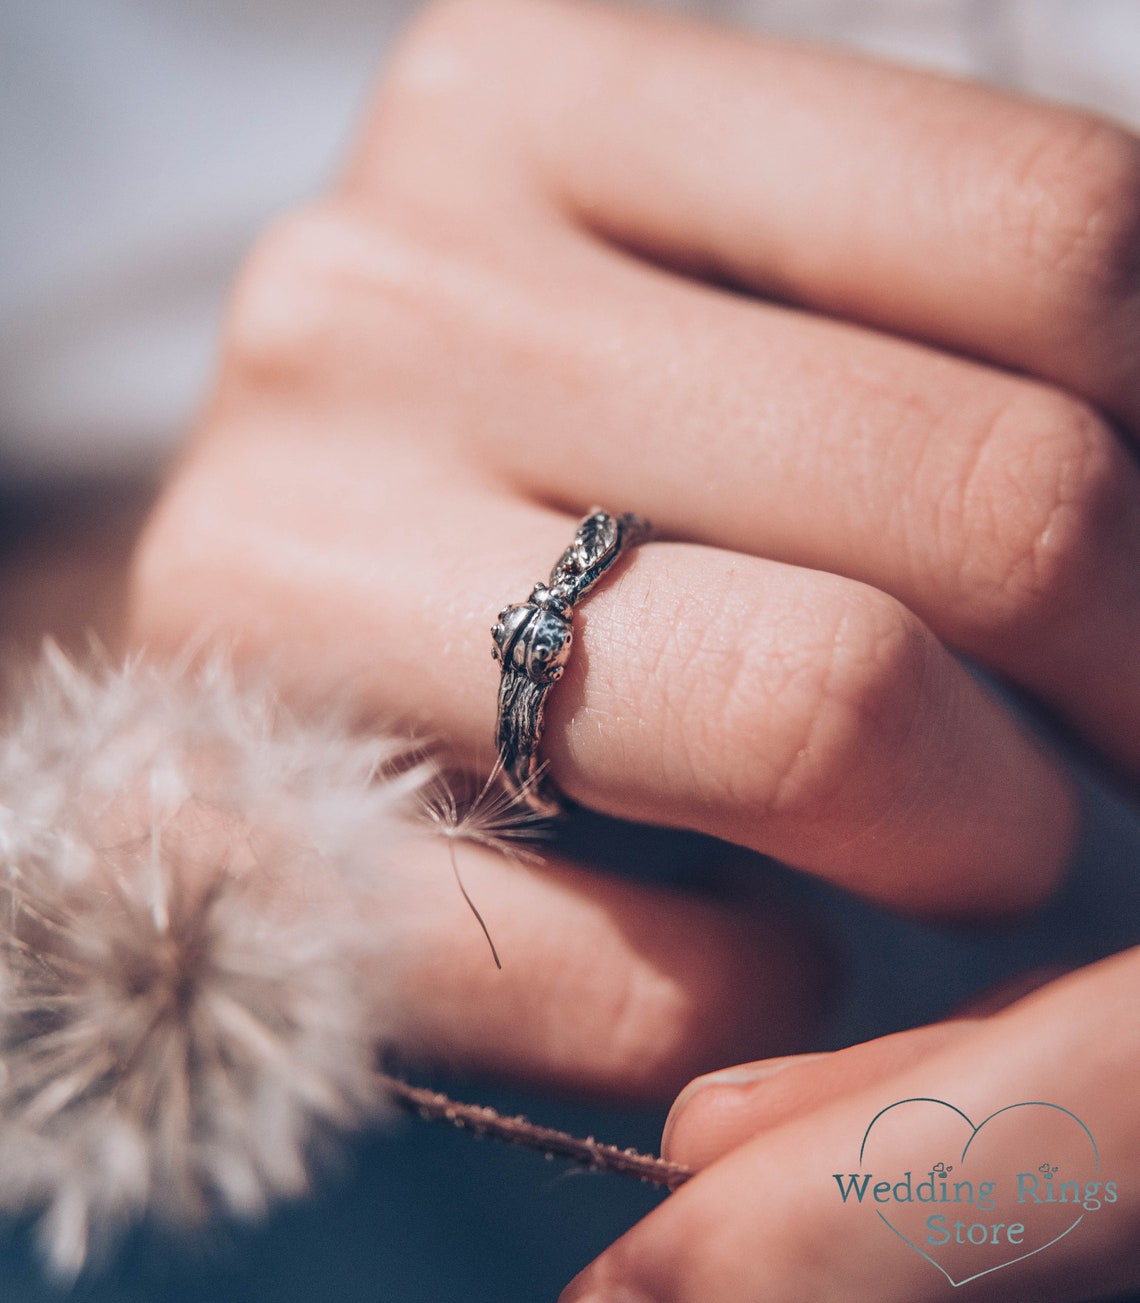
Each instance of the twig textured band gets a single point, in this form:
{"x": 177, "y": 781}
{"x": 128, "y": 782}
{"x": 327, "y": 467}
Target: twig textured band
{"x": 532, "y": 643}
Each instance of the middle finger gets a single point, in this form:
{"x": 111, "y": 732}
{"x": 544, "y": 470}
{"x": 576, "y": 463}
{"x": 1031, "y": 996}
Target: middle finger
{"x": 1003, "y": 512}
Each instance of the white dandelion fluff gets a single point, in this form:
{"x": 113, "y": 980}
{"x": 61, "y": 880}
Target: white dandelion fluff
{"x": 180, "y": 869}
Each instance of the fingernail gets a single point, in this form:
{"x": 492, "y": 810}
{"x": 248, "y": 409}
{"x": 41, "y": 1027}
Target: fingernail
{"x": 604, "y": 1294}
{"x": 622, "y": 1296}
{"x": 746, "y": 1074}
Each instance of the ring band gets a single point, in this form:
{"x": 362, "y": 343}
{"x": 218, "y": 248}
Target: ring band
{"x": 532, "y": 643}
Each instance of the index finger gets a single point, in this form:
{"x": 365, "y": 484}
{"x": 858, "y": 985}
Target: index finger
{"x": 930, "y": 207}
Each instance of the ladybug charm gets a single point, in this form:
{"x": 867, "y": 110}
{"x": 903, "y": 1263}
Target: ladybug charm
{"x": 532, "y": 642}
{"x": 534, "y": 637}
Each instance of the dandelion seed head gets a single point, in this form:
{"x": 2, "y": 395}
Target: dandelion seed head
{"x": 491, "y": 815}
{"x": 181, "y": 869}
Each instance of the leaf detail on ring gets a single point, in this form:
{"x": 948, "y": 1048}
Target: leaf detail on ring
{"x": 595, "y": 538}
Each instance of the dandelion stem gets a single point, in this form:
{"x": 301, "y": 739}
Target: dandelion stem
{"x": 484, "y": 1121}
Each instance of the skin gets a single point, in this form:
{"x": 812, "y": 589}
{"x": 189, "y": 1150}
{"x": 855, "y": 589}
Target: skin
{"x": 903, "y": 436}
{"x": 729, "y": 1235}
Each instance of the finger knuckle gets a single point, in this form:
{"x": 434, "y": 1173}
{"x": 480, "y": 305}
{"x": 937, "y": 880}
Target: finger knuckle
{"x": 812, "y": 687}
{"x": 330, "y": 295}
{"x": 464, "y": 21}
{"x": 651, "y": 1022}
{"x": 1038, "y": 496}
{"x": 283, "y": 311}
{"x": 457, "y": 99}
{"x": 451, "y": 45}
{"x": 1074, "y": 216}
{"x": 870, "y": 677}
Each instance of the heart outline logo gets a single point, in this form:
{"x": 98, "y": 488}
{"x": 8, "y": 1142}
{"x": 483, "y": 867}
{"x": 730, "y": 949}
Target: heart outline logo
{"x": 974, "y": 1132}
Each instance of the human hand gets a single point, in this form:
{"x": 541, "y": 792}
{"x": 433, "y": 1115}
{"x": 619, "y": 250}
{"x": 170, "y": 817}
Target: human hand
{"x": 507, "y": 310}
{"x": 764, "y": 1217}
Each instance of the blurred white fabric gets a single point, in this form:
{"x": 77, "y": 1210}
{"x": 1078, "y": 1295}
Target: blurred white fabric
{"x": 144, "y": 142}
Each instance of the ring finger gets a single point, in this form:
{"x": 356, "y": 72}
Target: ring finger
{"x": 792, "y": 711}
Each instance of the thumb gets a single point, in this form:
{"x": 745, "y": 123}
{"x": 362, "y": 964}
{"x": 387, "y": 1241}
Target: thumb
{"x": 770, "y": 1220}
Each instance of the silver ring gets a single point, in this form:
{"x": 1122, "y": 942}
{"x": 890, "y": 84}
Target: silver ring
{"x": 532, "y": 644}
